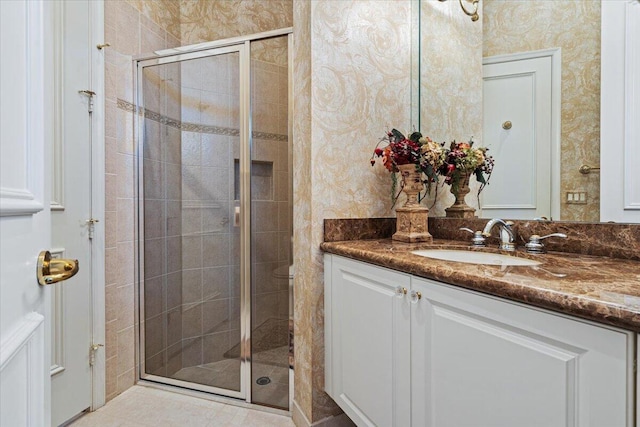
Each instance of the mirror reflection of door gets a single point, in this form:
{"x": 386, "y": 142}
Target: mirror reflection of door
{"x": 521, "y": 129}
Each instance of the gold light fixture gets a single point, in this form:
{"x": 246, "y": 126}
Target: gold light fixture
{"x": 472, "y": 13}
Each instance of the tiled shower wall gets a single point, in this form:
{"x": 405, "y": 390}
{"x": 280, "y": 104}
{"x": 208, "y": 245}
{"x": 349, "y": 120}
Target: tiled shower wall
{"x": 271, "y": 198}
{"x": 130, "y": 32}
{"x": 210, "y": 191}
{"x": 211, "y": 299}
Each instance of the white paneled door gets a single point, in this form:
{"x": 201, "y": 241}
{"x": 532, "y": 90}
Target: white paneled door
{"x": 25, "y": 141}
{"x": 75, "y": 233}
{"x": 521, "y": 129}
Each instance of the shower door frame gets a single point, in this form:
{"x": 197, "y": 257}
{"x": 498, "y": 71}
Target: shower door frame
{"x": 241, "y": 45}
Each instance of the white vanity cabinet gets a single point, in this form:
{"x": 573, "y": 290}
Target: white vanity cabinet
{"x": 456, "y": 358}
{"x": 482, "y": 361}
{"x": 367, "y": 362}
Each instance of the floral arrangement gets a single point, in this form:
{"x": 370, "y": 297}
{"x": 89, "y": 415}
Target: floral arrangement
{"x": 462, "y": 159}
{"x": 455, "y": 163}
{"x": 416, "y": 149}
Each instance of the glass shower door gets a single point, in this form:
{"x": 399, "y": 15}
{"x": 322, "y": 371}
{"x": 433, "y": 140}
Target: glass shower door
{"x": 271, "y": 228}
{"x": 192, "y": 128}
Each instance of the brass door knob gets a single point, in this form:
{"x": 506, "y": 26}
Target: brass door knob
{"x": 50, "y": 271}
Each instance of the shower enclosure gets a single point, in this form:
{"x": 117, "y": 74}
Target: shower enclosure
{"x": 214, "y": 217}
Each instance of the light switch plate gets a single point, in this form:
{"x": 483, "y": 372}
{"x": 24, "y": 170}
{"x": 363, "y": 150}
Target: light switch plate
{"x": 576, "y": 197}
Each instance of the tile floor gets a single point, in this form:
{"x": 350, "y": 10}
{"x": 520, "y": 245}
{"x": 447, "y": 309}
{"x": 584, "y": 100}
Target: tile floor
{"x": 149, "y": 407}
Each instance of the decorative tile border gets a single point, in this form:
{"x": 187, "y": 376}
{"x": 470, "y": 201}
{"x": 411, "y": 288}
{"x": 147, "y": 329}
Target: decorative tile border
{"x": 194, "y": 127}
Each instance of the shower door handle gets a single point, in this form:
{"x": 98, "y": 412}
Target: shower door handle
{"x": 236, "y": 217}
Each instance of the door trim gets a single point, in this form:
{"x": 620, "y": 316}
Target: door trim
{"x": 57, "y": 151}
{"x": 23, "y": 195}
{"x": 556, "y": 112}
{"x": 98, "y": 371}
{"x": 232, "y": 41}
{"x": 619, "y": 107}
{"x": 25, "y": 344}
{"x": 246, "y": 142}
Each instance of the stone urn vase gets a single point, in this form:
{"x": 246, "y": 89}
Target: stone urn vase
{"x": 411, "y": 183}
{"x": 460, "y": 209}
{"x": 412, "y": 219}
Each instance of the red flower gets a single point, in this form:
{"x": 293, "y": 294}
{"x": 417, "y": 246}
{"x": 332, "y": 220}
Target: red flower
{"x": 450, "y": 168}
{"x": 378, "y": 152}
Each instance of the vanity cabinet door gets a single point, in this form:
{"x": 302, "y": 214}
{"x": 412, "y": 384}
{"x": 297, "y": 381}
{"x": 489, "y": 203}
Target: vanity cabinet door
{"x": 367, "y": 353}
{"x": 478, "y": 361}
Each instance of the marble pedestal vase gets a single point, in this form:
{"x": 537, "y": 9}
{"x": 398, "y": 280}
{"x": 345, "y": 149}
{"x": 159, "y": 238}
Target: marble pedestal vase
{"x": 460, "y": 209}
{"x": 412, "y": 219}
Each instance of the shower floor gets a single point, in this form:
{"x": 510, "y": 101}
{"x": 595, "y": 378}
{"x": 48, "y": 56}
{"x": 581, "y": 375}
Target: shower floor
{"x": 226, "y": 374}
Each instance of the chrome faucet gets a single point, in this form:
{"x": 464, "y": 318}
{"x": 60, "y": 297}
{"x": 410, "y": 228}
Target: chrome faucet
{"x": 507, "y": 238}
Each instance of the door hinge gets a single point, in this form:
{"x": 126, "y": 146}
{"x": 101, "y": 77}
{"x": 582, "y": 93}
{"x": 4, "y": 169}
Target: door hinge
{"x": 92, "y": 353}
{"x": 635, "y": 365}
{"x": 91, "y": 224}
{"x": 89, "y": 94}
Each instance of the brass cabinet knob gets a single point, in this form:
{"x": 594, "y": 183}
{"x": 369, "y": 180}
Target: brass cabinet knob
{"x": 415, "y": 296}
{"x": 401, "y": 291}
{"x": 53, "y": 270}
{"x": 507, "y": 125}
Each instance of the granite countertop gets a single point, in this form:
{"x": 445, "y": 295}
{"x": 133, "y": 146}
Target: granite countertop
{"x": 602, "y": 289}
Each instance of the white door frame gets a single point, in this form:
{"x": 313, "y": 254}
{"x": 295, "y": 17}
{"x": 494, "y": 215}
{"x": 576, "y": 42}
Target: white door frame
{"x": 556, "y": 112}
{"x": 619, "y": 109}
{"x": 98, "y": 373}
{"x": 96, "y": 8}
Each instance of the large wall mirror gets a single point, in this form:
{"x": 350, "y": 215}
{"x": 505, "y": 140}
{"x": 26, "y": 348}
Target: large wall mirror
{"x": 565, "y": 36}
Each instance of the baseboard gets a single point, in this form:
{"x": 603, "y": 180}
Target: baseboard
{"x": 300, "y": 420}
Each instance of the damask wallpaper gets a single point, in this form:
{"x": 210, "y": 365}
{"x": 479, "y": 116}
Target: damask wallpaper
{"x": 352, "y": 82}
{"x": 451, "y": 84}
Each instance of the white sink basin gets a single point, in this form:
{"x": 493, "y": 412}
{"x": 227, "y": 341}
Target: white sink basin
{"x": 472, "y": 257}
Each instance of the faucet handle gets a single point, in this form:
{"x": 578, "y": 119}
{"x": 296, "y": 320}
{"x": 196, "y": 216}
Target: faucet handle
{"x": 561, "y": 235}
{"x": 535, "y": 246}
{"x": 478, "y": 239}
